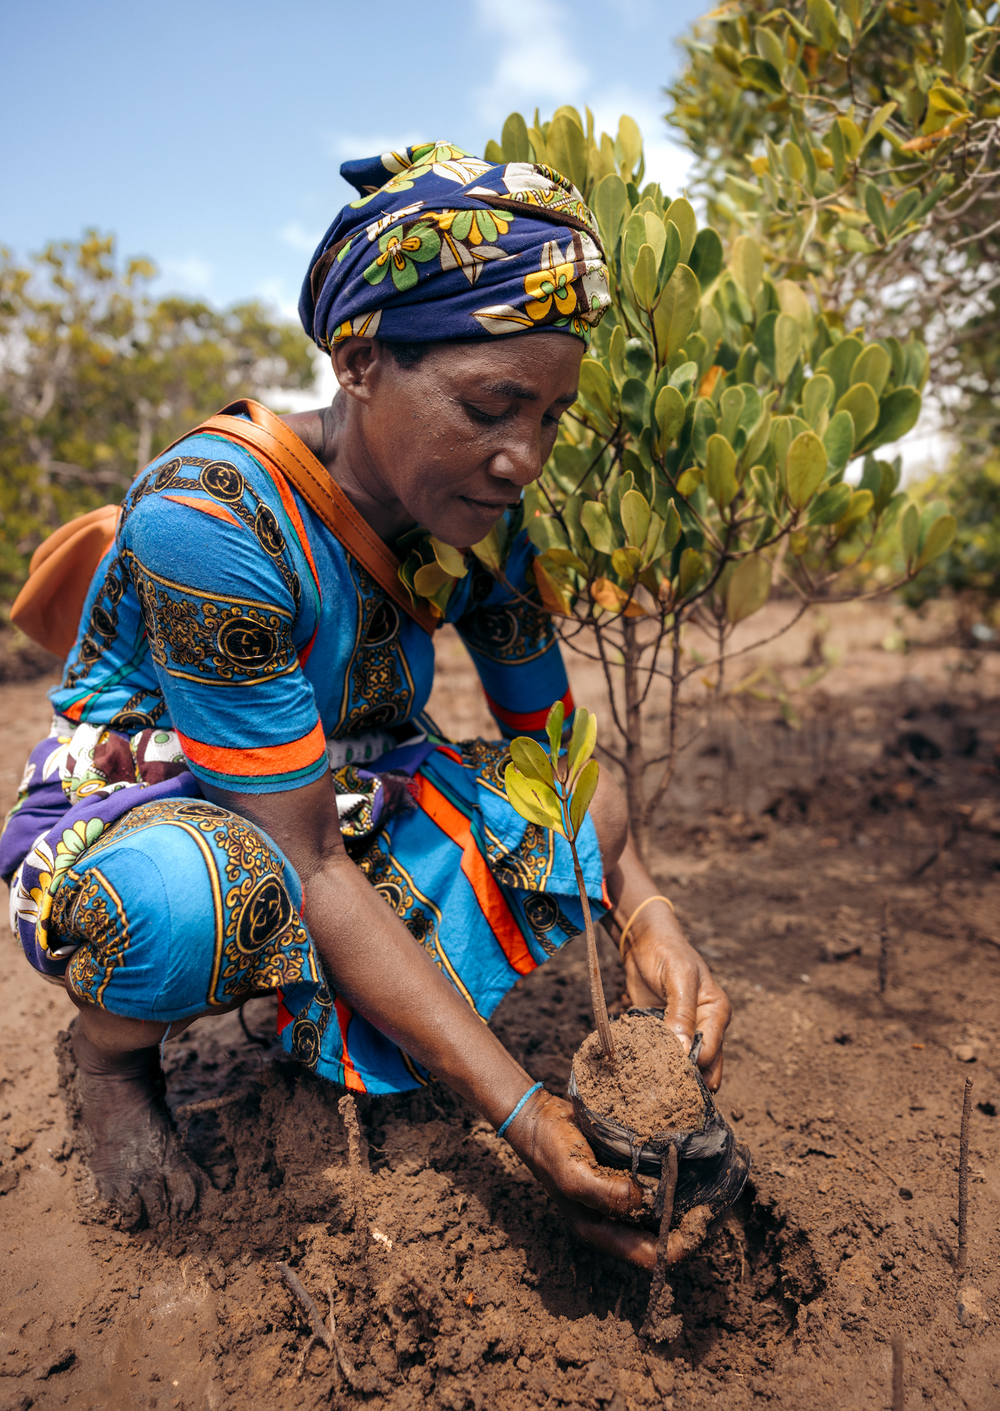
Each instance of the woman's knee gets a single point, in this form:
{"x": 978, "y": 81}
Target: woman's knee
{"x": 609, "y": 811}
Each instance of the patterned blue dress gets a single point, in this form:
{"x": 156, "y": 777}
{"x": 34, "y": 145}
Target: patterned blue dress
{"x": 229, "y": 638}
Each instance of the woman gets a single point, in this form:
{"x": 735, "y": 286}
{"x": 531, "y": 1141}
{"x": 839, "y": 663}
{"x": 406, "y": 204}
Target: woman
{"x": 199, "y": 828}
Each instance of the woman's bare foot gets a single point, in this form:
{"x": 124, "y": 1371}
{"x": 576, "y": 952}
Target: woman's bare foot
{"x": 136, "y": 1157}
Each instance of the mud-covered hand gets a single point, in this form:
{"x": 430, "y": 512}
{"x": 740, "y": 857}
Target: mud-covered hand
{"x": 591, "y": 1197}
{"x": 663, "y": 971}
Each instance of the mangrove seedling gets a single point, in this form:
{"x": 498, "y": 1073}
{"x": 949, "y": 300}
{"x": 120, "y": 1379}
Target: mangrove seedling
{"x": 554, "y": 791}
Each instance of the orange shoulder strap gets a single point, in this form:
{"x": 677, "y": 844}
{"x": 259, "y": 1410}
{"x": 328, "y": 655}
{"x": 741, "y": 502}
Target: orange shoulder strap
{"x": 49, "y": 606}
{"x": 267, "y": 436}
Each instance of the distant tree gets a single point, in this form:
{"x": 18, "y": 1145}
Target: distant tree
{"x": 97, "y": 376}
{"x": 860, "y": 144}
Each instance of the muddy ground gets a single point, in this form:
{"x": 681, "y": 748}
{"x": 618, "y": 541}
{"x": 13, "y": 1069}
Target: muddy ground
{"x": 453, "y": 1283}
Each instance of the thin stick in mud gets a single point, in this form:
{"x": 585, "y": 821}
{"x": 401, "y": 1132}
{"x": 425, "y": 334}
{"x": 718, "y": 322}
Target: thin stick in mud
{"x": 963, "y": 1181}
{"x": 898, "y": 1393}
{"x": 358, "y": 1163}
{"x": 883, "y": 951}
{"x": 664, "y": 1207}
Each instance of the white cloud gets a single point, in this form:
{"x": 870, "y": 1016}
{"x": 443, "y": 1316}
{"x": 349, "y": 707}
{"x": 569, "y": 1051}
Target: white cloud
{"x": 353, "y": 146}
{"x": 188, "y": 274}
{"x": 299, "y": 238}
{"x": 534, "y": 58}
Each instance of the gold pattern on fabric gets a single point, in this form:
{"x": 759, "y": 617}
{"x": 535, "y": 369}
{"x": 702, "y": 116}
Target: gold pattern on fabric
{"x": 378, "y": 688}
{"x": 97, "y": 918}
{"x": 197, "y": 636}
{"x": 421, "y": 917}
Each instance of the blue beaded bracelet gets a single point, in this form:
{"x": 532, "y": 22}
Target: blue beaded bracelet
{"x": 502, "y": 1131}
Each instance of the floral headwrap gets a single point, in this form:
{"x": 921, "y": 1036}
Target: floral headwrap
{"x": 441, "y": 245}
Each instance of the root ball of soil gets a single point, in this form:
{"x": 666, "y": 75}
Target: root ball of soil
{"x": 651, "y": 1087}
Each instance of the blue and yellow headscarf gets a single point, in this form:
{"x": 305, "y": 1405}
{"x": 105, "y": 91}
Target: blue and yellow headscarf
{"x": 441, "y": 245}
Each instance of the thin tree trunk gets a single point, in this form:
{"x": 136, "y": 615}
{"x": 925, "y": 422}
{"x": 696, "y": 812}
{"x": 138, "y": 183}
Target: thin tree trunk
{"x": 635, "y": 757}
{"x": 672, "y": 730}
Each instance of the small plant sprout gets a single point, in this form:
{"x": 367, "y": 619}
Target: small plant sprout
{"x": 555, "y": 792}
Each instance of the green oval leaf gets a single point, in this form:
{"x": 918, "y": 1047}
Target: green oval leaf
{"x": 873, "y": 366}
{"x": 747, "y": 265}
{"x": 531, "y": 760}
{"x": 644, "y": 276}
{"x": 838, "y": 441}
{"x": 635, "y": 511}
{"x": 692, "y": 566}
{"x": 582, "y": 742}
{"x": 830, "y": 505}
{"x": 720, "y": 470}
{"x": 583, "y": 793}
{"x": 862, "y": 404}
{"x": 897, "y": 414}
{"x": 610, "y": 203}
{"x": 787, "y": 341}
{"x": 749, "y": 587}
{"x": 554, "y": 722}
{"x": 940, "y": 536}
{"x": 675, "y": 313}
{"x": 706, "y": 257}
{"x": 669, "y": 414}
{"x": 535, "y": 802}
{"x": 804, "y": 469}
{"x": 597, "y": 527}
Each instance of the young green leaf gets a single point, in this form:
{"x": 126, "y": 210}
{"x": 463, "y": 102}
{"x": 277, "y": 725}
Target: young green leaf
{"x": 586, "y": 786}
{"x": 535, "y": 802}
{"x": 582, "y": 742}
{"x": 529, "y": 757}
{"x": 554, "y": 727}
{"x": 909, "y": 532}
{"x": 953, "y": 46}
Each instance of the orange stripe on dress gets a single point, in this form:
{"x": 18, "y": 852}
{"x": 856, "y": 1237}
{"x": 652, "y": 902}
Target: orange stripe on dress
{"x": 352, "y": 1078}
{"x": 249, "y": 762}
{"x": 528, "y": 720}
{"x": 491, "y": 899}
{"x": 206, "y": 507}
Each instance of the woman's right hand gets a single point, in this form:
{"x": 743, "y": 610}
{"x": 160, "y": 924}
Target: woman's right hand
{"x": 591, "y": 1197}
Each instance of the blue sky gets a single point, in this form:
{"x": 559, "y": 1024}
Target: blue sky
{"x": 208, "y": 135}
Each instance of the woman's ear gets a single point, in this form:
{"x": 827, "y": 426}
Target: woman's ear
{"x": 357, "y": 365}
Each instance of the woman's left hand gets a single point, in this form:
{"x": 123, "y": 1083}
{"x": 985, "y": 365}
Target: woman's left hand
{"x": 664, "y": 971}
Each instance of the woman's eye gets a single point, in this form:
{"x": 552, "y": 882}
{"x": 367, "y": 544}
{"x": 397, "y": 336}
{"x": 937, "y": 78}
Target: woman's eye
{"x": 485, "y": 418}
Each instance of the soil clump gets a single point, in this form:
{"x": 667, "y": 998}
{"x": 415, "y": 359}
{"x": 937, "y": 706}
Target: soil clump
{"x": 650, "y": 1088}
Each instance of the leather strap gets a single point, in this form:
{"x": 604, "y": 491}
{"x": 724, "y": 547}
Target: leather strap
{"x": 267, "y": 436}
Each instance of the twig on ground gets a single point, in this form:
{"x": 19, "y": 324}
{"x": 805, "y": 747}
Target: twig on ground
{"x": 897, "y": 1372}
{"x": 883, "y": 952}
{"x": 664, "y": 1208}
{"x": 346, "y": 1365}
{"x": 963, "y": 1180}
{"x": 310, "y": 1308}
{"x": 209, "y": 1104}
{"x": 359, "y": 1164}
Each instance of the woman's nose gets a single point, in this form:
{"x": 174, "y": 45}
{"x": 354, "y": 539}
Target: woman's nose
{"x": 519, "y": 461}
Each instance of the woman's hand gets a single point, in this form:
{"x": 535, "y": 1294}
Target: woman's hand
{"x": 591, "y": 1197}
{"x": 663, "y": 971}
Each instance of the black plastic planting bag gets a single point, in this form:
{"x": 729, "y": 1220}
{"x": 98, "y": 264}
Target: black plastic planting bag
{"x": 712, "y": 1167}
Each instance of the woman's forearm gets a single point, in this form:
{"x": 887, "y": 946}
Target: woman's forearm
{"x": 378, "y": 968}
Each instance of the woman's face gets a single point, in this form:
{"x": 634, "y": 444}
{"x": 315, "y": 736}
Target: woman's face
{"x": 454, "y": 440}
